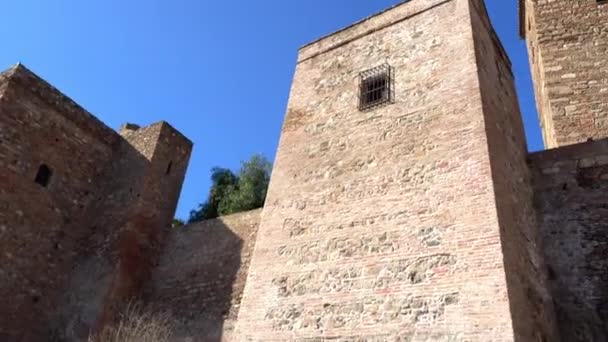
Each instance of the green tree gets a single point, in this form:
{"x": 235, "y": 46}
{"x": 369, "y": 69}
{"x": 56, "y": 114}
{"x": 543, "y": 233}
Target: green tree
{"x": 176, "y": 223}
{"x": 223, "y": 182}
{"x": 232, "y": 193}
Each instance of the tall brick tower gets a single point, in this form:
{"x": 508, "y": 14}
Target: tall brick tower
{"x": 568, "y": 47}
{"x": 400, "y": 205}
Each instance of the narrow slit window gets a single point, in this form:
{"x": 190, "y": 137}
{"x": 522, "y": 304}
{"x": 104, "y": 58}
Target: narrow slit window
{"x": 168, "y": 171}
{"x": 376, "y": 87}
{"x": 43, "y": 177}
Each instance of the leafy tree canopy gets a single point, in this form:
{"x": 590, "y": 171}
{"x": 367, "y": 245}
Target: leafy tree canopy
{"x": 232, "y": 193}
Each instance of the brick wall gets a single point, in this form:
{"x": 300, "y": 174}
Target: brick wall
{"x": 567, "y": 43}
{"x": 529, "y": 298}
{"x": 382, "y": 225}
{"x": 74, "y": 250}
{"x": 39, "y": 236}
{"x": 201, "y": 275}
{"x": 127, "y": 227}
{"x": 571, "y": 184}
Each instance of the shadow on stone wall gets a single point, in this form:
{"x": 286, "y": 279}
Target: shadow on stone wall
{"x": 570, "y": 185}
{"x": 195, "y": 278}
{"x": 122, "y": 231}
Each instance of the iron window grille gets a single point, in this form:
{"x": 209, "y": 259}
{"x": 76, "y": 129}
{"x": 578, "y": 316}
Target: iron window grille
{"x": 376, "y": 87}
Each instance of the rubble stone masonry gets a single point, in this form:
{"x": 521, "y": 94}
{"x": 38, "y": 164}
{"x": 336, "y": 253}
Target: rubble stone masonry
{"x": 571, "y": 187}
{"x": 201, "y": 275}
{"x": 422, "y": 219}
{"x": 384, "y": 225}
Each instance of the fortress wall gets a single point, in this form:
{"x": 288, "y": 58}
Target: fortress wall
{"x": 382, "y": 225}
{"x": 529, "y": 297}
{"x": 201, "y": 275}
{"x": 111, "y": 215}
{"x": 568, "y": 43}
{"x": 127, "y": 227}
{"x": 39, "y": 237}
{"x": 571, "y": 187}
{"x": 74, "y": 251}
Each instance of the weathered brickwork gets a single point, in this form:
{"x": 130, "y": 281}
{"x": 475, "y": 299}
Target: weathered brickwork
{"x": 66, "y": 241}
{"x": 421, "y": 219}
{"x": 568, "y": 44}
{"x": 531, "y": 304}
{"x": 383, "y": 225}
{"x": 571, "y": 184}
{"x": 201, "y": 275}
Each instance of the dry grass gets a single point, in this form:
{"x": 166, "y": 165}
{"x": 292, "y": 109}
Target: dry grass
{"x": 138, "y": 324}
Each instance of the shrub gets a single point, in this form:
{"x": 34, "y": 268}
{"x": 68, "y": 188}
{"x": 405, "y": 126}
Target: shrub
{"x": 138, "y": 324}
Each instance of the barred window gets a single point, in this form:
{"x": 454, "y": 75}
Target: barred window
{"x": 376, "y": 87}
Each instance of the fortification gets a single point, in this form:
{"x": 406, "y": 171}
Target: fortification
{"x": 403, "y": 206}
{"x": 81, "y": 209}
{"x": 567, "y": 44}
{"x": 570, "y": 186}
{"x": 201, "y": 275}
{"x": 390, "y": 211}
{"x": 568, "y": 47}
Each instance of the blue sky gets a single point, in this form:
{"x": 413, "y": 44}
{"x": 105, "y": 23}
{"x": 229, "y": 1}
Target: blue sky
{"x": 219, "y": 71}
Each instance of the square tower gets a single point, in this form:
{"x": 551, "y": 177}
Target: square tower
{"x": 568, "y": 50}
{"x": 400, "y": 207}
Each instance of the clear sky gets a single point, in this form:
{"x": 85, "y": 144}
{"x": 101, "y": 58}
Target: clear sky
{"x": 219, "y": 71}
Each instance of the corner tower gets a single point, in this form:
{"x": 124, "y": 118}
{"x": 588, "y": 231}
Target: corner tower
{"x": 400, "y": 206}
{"x": 568, "y": 47}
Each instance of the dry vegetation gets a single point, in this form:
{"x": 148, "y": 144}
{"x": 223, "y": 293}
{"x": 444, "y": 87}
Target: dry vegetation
{"x": 138, "y": 324}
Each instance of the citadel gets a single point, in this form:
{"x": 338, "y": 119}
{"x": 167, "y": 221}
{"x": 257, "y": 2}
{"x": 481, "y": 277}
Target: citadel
{"x": 403, "y": 205}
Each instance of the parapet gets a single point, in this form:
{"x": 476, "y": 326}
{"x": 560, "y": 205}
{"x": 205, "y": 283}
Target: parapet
{"x": 402, "y": 11}
{"x": 129, "y": 127}
{"x": 28, "y": 81}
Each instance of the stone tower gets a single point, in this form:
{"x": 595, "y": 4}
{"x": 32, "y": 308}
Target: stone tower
{"x": 400, "y": 205}
{"x": 568, "y": 47}
{"x": 82, "y": 209}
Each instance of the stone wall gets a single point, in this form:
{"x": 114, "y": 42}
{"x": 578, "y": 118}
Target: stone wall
{"x": 126, "y": 226}
{"x": 567, "y": 43}
{"x": 383, "y": 225}
{"x": 39, "y": 236}
{"x": 529, "y": 298}
{"x": 201, "y": 275}
{"x": 78, "y": 244}
{"x": 571, "y": 184}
